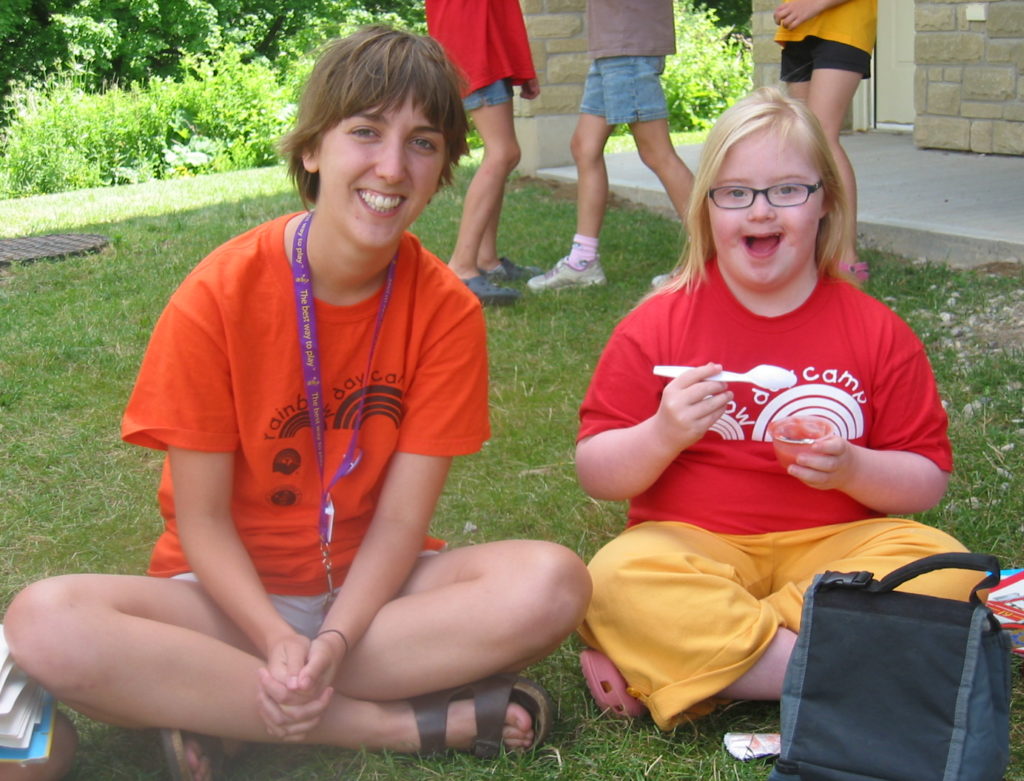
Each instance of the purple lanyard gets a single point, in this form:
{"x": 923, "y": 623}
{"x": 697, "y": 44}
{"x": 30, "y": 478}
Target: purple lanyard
{"x": 309, "y": 350}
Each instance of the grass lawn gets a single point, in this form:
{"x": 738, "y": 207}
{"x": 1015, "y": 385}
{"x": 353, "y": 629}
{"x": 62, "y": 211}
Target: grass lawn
{"x": 73, "y": 498}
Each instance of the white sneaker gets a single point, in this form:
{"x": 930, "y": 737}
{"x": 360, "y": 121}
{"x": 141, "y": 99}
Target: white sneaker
{"x": 564, "y": 275}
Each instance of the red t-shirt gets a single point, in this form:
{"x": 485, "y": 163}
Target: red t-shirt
{"x": 857, "y": 364}
{"x": 222, "y": 374}
{"x": 486, "y": 39}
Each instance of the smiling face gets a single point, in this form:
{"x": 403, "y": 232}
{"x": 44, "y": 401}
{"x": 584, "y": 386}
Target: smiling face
{"x": 766, "y": 253}
{"x": 377, "y": 171}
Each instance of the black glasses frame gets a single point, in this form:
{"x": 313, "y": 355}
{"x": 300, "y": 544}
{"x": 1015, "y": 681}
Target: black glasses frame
{"x": 810, "y": 189}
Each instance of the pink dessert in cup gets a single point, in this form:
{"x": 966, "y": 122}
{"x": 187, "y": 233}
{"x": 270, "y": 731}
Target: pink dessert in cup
{"x": 792, "y": 436}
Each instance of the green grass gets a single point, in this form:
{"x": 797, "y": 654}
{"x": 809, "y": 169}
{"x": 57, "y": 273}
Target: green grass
{"x": 623, "y": 141}
{"x": 74, "y": 499}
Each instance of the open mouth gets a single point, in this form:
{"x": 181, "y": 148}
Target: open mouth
{"x": 763, "y": 245}
{"x": 380, "y": 203}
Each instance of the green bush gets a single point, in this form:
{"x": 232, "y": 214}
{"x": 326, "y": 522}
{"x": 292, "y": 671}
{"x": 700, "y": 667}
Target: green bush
{"x": 238, "y": 108}
{"x": 711, "y": 69}
{"x": 60, "y": 137}
{"x": 218, "y": 116}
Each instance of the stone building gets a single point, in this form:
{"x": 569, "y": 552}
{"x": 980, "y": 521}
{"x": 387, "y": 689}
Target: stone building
{"x": 950, "y": 71}
{"x": 558, "y": 42}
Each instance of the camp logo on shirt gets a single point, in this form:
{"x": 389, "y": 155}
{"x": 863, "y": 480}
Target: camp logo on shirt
{"x": 834, "y": 395}
{"x": 383, "y": 396}
{"x": 345, "y": 404}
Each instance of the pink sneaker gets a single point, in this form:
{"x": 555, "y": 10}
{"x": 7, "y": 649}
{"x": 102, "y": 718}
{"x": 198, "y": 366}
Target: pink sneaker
{"x": 858, "y": 270}
{"x": 608, "y": 687}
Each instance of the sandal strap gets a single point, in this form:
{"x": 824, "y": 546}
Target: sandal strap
{"x": 491, "y": 697}
{"x": 431, "y": 712}
{"x": 173, "y": 742}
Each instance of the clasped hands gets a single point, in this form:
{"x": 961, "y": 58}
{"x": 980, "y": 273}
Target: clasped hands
{"x": 294, "y": 688}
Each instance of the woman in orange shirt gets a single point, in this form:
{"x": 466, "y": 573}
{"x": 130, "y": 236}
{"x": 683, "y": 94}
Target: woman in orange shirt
{"x": 311, "y": 381}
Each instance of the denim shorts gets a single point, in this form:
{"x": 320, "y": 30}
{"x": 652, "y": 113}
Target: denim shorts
{"x": 801, "y": 58}
{"x": 494, "y": 94}
{"x": 625, "y": 90}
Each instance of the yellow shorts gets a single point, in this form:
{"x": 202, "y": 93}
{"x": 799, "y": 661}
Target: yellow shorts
{"x": 684, "y": 612}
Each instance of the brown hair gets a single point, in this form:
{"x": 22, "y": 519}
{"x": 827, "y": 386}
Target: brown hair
{"x": 764, "y": 110}
{"x": 375, "y": 68}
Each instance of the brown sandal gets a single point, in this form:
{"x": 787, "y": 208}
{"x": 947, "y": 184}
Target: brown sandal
{"x": 173, "y": 742}
{"x": 491, "y": 697}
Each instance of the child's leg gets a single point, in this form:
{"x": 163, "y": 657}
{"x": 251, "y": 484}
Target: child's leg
{"x": 655, "y": 147}
{"x": 587, "y": 146}
{"x": 475, "y": 248}
{"x": 147, "y": 652}
{"x": 764, "y": 680}
{"x": 878, "y": 546}
{"x": 828, "y": 95}
{"x": 581, "y": 267}
{"x": 678, "y": 610}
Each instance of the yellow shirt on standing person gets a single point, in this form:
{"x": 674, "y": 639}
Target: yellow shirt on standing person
{"x": 854, "y": 23}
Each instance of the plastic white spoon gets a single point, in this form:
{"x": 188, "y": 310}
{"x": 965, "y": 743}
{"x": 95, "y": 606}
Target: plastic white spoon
{"x": 773, "y": 378}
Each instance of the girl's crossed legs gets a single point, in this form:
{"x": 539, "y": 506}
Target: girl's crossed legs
{"x": 151, "y": 652}
{"x": 688, "y": 616}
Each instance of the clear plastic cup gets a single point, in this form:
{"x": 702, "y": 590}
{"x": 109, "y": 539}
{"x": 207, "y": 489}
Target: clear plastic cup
{"x": 792, "y": 436}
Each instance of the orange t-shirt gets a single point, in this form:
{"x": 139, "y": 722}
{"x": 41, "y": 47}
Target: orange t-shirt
{"x": 222, "y": 374}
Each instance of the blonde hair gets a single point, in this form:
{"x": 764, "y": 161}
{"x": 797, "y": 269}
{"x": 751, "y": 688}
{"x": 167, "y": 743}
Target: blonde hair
{"x": 764, "y": 110}
{"x": 376, "y": 68}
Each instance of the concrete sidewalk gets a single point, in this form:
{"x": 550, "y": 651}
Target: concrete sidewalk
{"x": 953, "y": 207}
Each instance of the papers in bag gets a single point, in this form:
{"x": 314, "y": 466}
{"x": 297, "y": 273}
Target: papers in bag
{"x": 26, "y": 713}
{"x": 1006, "y": 601}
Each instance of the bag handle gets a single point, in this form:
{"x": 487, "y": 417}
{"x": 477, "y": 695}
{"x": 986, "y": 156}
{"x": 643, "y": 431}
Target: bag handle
{"x": 982, "y": 562}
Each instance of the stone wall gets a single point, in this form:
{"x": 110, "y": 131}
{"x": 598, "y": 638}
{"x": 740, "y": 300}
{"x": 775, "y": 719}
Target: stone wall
{"x": 969, "y": 83}
{"x": 558, "y": 41}
{"x": 969, "y": 79}
{"x": 765, "y": 51}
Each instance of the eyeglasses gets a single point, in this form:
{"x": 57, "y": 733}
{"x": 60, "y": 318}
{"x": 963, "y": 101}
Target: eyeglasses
{"x": 736, "y": 197}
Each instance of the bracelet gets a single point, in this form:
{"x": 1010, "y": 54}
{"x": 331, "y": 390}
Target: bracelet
{"x": 337, "y": 632}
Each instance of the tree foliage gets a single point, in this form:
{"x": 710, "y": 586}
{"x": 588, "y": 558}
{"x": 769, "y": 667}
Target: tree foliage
{"x": 106, "y": 42}
{"x": 731, "y": 13}
{"x": 711, "y": 69}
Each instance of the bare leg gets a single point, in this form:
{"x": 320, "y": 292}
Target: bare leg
{"x": 655, "y": 147}
{"x": 476, "y": 246}
{"x": 763, "y": 681}
{"x": 828, "y": 95}
{"x": 147, "y": 652}
{"x": 587, "y": 147}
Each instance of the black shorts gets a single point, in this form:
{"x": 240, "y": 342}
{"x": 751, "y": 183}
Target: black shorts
{"x": 801, "y": 58}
